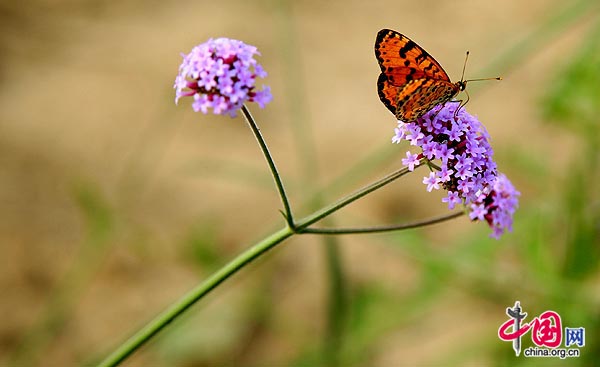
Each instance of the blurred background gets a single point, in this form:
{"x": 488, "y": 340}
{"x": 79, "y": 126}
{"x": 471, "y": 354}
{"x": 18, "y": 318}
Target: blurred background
{"x": 115, "y": 202}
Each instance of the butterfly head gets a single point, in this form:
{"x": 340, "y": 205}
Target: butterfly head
{"x": 462, "y": 85}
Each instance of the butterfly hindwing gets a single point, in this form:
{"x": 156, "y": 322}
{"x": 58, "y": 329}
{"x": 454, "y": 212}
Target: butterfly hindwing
{"x": 418, "y": 96}
{"x": 388, "y": 93}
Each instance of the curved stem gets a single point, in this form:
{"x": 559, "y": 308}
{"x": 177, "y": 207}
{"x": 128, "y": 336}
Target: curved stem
{"x": 162, "y": 320}
{"x": 379, "y": 229}
{"x": 263, "y": 146}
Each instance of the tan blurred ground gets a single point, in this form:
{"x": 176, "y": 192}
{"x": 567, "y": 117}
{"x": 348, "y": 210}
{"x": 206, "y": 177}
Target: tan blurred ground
{"x": 86, "y": 99}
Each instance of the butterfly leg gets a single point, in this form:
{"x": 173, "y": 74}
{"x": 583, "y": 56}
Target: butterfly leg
{"x": 462, "y": 104}
{"x": 442, "y": 107}
{"x": 438, "y": 112}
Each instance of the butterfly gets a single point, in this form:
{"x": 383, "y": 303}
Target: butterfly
{"x": 411, "y": 82}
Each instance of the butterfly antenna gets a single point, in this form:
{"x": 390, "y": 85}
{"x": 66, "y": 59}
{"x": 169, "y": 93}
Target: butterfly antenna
{"x": 478, "y": 80}
{"x": 462, "y": 77}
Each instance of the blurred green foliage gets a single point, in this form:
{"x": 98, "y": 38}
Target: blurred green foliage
{"x": 99, "y": 221}
{"x": 199, "y": 249}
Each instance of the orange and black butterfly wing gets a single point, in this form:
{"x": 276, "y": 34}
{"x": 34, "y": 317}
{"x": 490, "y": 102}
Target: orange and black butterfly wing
{"x": 418, "y": 96}
{"x": 402, "y": 60}
{"x": 411, "y": 81}
{"x": 388, "y": 93}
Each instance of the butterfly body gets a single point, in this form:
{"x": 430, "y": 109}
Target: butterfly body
{"x": 411, "y": 82}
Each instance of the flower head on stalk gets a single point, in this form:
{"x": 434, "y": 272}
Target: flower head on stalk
{"x": 220, "y": 74}
{"x": 467, "y": 171}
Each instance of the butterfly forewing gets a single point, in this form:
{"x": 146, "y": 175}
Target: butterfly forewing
{"x": 403, "y": 60}
{"x": 411, "y": 81}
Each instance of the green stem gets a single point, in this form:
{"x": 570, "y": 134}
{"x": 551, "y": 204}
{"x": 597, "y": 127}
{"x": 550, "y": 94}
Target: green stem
{"x": 263, "y": 146}
{"x": 378, "y": 229}
{"x": 162, "y": 320}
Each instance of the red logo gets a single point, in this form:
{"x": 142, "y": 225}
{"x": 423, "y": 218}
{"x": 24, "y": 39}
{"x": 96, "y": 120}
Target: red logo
{"x": 546, "y": 334}
{"x": 546, "y": 330}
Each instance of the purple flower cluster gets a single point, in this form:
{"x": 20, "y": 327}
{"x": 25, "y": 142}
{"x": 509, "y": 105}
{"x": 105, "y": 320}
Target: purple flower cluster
{"x": 467, "y": 171}
{"x": 497, "y": 207}
{"x": 220, "y": 74}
